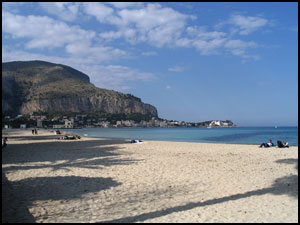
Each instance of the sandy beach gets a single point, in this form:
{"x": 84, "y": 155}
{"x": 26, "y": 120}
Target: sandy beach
{"x": 45, "y": 179}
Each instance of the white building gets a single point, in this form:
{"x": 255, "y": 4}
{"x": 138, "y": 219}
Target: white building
{"x": 39, "y": 123}
{"x": 218, "y": 123}
{"x": 215, "y": 123}
{"x": 69, "y": 123}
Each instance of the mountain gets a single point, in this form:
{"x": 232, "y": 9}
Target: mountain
{"x": 42, "y": 87}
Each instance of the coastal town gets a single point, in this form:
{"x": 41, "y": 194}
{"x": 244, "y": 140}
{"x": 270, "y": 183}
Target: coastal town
{"x": 84, "y": 121}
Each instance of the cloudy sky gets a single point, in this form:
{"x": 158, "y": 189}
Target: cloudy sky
{"x": 193, "y": 61}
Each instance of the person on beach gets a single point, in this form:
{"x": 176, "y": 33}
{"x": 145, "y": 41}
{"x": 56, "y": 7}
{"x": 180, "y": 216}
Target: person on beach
{"x": 282, "y": 144}
{"x": 35, "y": 131}
{"x": 286, "y": 144}
{"x": 32, "y": 131}
{"x": 267, "y": 145}
{"x": 4, "y": 144}
{"x": 136, "y": 141}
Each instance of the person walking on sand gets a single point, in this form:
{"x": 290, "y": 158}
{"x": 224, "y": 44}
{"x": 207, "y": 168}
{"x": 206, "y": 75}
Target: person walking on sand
{"x": 35, "y": 131}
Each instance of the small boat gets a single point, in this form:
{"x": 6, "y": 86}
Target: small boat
{"x": 275, "y": 126}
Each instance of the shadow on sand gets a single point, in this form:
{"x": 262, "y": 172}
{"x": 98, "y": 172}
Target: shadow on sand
{"x": 287, "y": 185}
{"x": 17, "y": 196}
{"x": 84, "y": 154}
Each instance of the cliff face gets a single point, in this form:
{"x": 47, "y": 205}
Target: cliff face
{"x": 37, "y": 86}
{"x": 111, "y": 105}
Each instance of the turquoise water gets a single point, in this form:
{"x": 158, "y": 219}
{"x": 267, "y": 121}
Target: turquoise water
{"x": 239, "y": 135}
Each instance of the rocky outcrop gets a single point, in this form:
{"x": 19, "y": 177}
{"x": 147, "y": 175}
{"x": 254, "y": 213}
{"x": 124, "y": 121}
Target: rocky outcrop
{"x": 37, "y": 86}
{"x": 111, "y": 105}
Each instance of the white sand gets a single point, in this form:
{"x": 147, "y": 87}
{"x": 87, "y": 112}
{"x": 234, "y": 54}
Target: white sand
{"x": 96, "y": 180}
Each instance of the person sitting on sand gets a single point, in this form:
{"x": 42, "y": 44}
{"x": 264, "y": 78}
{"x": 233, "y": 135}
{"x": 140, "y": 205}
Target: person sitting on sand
{"x": 286, "y": 144}
{"x": 266, "y": 145}
{"x": 282, "y": 144}
{"x": 69, "y": 137}
{"x": 136, "y": 141}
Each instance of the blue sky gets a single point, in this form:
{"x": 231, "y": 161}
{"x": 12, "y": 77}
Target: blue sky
{"x": 192, "y": 61}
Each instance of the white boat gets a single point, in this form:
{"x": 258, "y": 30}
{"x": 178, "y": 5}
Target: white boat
{"x": 275, "y": 126}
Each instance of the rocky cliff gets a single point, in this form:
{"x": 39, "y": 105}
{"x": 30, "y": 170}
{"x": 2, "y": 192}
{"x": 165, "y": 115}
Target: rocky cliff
{"x": 43, "y": 87}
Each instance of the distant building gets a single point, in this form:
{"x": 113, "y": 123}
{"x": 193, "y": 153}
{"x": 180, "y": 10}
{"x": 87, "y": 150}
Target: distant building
{"x": 218, "y": 123}
{"x": 215, "y": 123}
{"x": 128, "y": 123}
{"x": 39, "y": 123}
{"x": 69, "y": 123}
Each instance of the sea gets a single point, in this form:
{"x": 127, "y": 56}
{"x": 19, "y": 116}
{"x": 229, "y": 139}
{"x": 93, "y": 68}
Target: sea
{"x": 228, "y": 135}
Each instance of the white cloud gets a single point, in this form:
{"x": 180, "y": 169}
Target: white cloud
{"x": 111, "y": 35}
{"x": 176, "y": 69}
{"x": 148, "y": 23}
{"x": 238, "y": 52}
{"x": 209, "y": 47}
{"x": 154, "y": 24}
{"x": 239, "y": 44}
{"x": 103, "y": 13}
{"x": 184, "y": 42}
{"x": 64, "y": 10}
{"x": 122, "y": 5}
{"x": 201, "y": 33}
{"x": 213, "y": 42}
{"x": 116, "y": 77}
{"x": 247, "y": 24}
{"x": 43, "y": 31}
{"x": 165, "y": 27}
{"x": 95, "y": 53}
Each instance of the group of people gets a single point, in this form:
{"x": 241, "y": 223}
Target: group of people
{"x": 34, "y": 131}
{"x": 136, "y": 141}
{"x": 280, "y": 144}
{"x": 69, "y": 137}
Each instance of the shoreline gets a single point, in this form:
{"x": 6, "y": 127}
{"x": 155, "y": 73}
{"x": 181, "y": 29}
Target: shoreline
{"x": 103, "y": 180}
{"x": 65, "y": 132}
